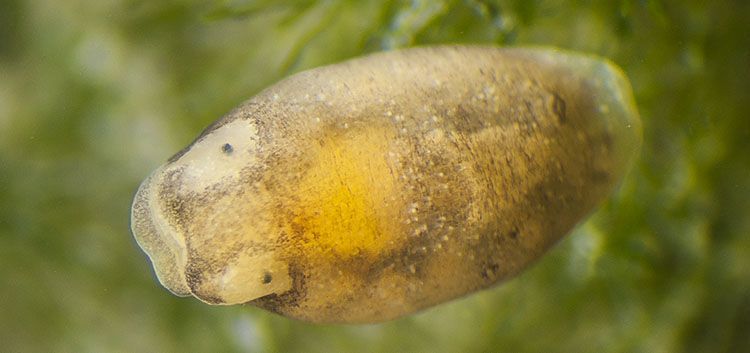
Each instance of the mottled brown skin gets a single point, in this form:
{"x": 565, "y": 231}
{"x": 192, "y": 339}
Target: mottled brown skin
{"x": 386, "y": 184}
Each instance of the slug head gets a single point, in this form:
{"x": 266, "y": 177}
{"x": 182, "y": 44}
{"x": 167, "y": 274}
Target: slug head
{"x": 200, "y": 226}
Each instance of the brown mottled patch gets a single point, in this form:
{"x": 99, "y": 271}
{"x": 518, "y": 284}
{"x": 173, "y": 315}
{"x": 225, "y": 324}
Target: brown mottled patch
{"x": 463, "y": 120}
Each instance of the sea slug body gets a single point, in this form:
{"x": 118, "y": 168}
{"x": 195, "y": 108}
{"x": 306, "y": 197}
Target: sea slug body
{"x": 370, "y": 189}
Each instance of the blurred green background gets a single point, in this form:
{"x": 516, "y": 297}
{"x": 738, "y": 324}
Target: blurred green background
{"x": 94, "y": 94}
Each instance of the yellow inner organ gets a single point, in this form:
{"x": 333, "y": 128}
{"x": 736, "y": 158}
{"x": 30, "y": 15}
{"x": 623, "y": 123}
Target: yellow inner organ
{"x": 347, "y": 201}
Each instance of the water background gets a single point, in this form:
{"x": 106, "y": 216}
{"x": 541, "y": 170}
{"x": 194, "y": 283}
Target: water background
{"x": 95, "y": 94}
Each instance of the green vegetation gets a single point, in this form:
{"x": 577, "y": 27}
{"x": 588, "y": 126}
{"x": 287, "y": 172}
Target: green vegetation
{"x": 95, "y": 94}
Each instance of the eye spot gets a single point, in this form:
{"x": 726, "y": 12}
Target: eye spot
{"x": 267, "y": 278}
{"x": 227, "y": 148}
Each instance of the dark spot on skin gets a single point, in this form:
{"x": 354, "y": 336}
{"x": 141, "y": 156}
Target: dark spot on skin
{"x": 600, "y": 176}
{"x": 278, "y": 303}
{"x": 243, "y": 111}
{"x": 558, "y": 107}
{"x": 464, "y": 119}
{"x": 227, "y": 148}
{"x": 490, "y": 271}
{"x": 513, "y": 233}
{"x": 267, "y": 278}
{"x": 530, "y": 109}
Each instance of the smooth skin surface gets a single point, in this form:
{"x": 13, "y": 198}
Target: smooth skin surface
{"x": 370, "y": 189}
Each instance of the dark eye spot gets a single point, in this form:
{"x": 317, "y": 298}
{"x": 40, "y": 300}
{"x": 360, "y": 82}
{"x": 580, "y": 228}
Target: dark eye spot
{"x": 227, "y": 148}
{"x": 267, "y": 278}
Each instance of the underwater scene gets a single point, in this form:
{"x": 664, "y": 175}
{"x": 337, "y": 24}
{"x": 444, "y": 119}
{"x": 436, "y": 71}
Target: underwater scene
{"x": 508, "y": 176}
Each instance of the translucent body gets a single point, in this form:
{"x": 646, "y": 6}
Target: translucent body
{"x": 373, "y": 188}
